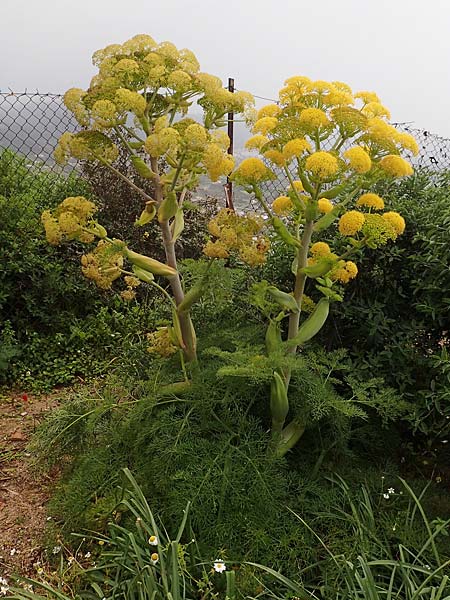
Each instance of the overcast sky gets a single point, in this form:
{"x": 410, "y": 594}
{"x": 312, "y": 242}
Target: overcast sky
{"x": 398, "y": 48}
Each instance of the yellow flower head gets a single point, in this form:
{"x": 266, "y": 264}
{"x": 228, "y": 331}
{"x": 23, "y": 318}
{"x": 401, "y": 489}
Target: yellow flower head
{"x": 126, "y": 99}
{"x": 338, "y": 98}
{"x": 358, "y": 159}
{"x": 313, "y": 118}
{"x": 345, "y": 271}
{"x": 320, "y": 249}
{"x": 215, "y": 249}
{"x": 324, "y": 205}
{"x": 104, "y": 113}
{"x": 252, "y": 170}
{"x": 342, "y": 87}
{"x": 378, "y": 230}
{"x": 395, "y": 166}
{"x": 282, "y": 205}
{"x": 296, "y": 147}
{"x": 220, "y": 138}
{"x": 179, "y": 81}
{"x": 296, "y": 185}
{"x": 351, "y": 222}
{"x": 396, "y": 221}
{"x": 371, "y": 201}
{"x": 367, "y": 97}
{"x": 408, "y": 142}
{"x": 271, "y": 110}
{"x": 195, "y": 136}
{"x": 381, "y": 133}
{"x": 128, "y": 295}
{"x": 265, "y": 125}
{"x": 216, "y": 161}
{"x": 161, "y": 344}
{"x": 322, "y": 165}
{"x": 351, "y": 268}
{"x": 126, "y": 65}
{"x": 276, "y": 157}
{"x": 256, "y": 142}
{"x": 167, "y": 140}
{"x": 375, "y": 109}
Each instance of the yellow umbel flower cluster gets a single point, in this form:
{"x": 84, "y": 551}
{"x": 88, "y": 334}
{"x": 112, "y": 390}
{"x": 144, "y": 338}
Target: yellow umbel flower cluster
{"x": 324, "y": 205}
{"x": 320, "y": 249}
{"x": 240, "y": 233}
{"x": 395, "y": 166}
{"x": 132, "y": 283}
{"x": 345, "y": 271}
{"x": 328, "y": 132}
{"x": 252, "y": 170}
{"x": 322, "y": 165}
{"x": 153, "y": 82}
{"x": 371, "y": 201}
{"x": 351, "y": 222}
{"x": 256, "y": 142}
{"x": 358, "y": 159}
{"x": 161, "y": 342}
{"x": 85, "y": 145}
{"x": 295, "y": 148}
{"x": 70, "y": 221}
{"x": 276, "y": 157}
{"x": 396, "y": 221}
{"x": 104, "y": 264}
{"x": 377, "y": 229}
{"x": 282, "y": 205}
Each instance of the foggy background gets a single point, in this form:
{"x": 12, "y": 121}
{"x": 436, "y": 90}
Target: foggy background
{"x": 398, "y": 48}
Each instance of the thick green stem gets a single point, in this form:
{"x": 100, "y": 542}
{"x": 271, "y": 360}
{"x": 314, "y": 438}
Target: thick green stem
{"x": 187, "y": 330}
{"x": 289, "y": 436}
{"x": 300, "y": 280}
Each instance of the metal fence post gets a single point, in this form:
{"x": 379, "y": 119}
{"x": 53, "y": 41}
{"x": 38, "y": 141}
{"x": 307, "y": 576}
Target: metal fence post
{"x": 229, "y": 185}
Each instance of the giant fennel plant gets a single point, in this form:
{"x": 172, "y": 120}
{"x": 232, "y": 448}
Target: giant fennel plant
{"x": 326, "y": 146}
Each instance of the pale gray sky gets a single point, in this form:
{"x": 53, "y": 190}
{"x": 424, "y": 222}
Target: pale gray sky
{"x": 398, "y": 48}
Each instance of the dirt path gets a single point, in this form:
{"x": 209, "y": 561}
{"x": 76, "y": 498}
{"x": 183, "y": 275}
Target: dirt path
{"x": 23, "y": 494}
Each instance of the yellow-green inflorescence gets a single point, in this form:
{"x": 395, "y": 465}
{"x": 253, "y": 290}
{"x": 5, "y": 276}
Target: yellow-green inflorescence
{"x": 147, "y": 88}
{"x": 333, "y": 145}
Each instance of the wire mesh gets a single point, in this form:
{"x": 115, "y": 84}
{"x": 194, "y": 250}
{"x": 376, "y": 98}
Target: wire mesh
{"x": 31, "y": 124}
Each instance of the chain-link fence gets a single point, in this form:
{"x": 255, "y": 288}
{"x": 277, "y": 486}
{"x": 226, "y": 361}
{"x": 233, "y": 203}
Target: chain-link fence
{"x": 31, "y": 124}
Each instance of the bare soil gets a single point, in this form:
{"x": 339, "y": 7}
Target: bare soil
{"x": 23, "y": 492}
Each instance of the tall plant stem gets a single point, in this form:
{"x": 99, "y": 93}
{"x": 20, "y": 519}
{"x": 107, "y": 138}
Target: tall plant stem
{"x": 300, "y": 280}
{"x": 187, "y": 330}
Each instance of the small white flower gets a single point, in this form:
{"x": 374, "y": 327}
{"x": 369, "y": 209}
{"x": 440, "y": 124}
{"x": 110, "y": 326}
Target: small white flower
{"x": 391, "y": 491}
{"x": 154, "y": 558}
{"x": 87, "y": 555}
{"x": 4, "y": 590}
{"x": 386, "y": 496}
{"x": 56, "y": 549}
{"x": 3, "y": 581}
{"x": 219, "y": 566}
{"x": 12, "y": 552}
{"x": 153, "y": 540}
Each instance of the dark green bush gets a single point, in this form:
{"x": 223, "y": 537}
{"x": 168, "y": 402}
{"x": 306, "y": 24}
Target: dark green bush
{"x": 400, "y": 330}
{"x": 54, "y": 324}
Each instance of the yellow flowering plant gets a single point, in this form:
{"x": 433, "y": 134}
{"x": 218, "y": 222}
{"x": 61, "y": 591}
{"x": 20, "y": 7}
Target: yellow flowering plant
{"x": 139, "y": 99}
{"x": 330, "y": 146}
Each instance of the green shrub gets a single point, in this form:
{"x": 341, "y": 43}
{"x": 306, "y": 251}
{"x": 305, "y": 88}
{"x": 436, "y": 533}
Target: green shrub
{"x": 54, "y": 325}
{"x": 400, "y": 330}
